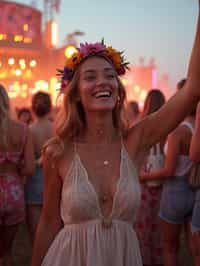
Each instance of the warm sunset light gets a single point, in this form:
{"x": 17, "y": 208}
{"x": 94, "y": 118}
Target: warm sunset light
{"x": 33, "y": 63}
{"x": 54, "y": 33}
{"x": 69, "y": 51}
{"x": 25, "y": 27}
{"x": 11, "y": 61}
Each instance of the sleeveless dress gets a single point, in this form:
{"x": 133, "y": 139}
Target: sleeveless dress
{"x": 85, "y": 240}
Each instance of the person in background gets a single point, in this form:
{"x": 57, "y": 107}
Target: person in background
{"x": 24, "y": 115}
{"x": 91, "y": 167}
{"x": 195, "y": 156}
{"x": 147, "y": 223}
{"x": 16, "y": 160}
{"x": 177, "y": 198}
{"x": 133, "y": 112}
{"x": 42, "y": 129}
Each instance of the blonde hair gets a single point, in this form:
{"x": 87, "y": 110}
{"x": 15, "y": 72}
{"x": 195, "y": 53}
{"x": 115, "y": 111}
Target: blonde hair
{"x": 4, "y": 114}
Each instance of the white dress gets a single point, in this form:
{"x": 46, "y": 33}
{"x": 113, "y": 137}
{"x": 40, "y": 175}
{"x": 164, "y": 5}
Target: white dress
{"x": 85, "y": 240}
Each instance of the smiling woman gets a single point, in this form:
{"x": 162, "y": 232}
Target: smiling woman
{"x": 91, "y": 184}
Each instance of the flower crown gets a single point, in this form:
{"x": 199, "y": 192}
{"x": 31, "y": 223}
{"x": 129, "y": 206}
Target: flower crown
{"x": 89, "y": 49}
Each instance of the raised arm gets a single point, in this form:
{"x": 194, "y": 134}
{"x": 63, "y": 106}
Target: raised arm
{"x": 161, "y": 123}
{"x": 195, "y": 142}
{"x": 50, "y": 222}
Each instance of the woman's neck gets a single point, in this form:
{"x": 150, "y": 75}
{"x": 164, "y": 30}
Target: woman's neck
{"x": 100, "y": 130}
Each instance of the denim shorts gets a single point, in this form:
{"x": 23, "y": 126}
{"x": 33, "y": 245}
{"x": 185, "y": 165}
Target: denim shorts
{"x": 195, "y": 223}
{"x": 34, "y": 187}
{"x": 177, "y": 201}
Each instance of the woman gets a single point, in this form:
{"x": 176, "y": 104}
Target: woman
{"x": 195, "y": 156}
{"x": 91, "y": 185}
{"x": 42, "y": 130}
{"x": 177, "y": 198}
{"x": 147, "y": 223}
{"x": 14, "y": 149}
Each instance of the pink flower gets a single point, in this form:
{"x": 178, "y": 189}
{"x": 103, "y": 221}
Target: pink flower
{"x": 91, "y": 48}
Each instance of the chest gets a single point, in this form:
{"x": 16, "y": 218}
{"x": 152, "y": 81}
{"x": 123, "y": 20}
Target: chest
{"x": 102, "y": 166}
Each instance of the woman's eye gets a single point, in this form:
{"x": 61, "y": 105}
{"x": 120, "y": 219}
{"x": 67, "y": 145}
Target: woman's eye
{"x": 89, "y": 78}
{"x": 110, "y": 76}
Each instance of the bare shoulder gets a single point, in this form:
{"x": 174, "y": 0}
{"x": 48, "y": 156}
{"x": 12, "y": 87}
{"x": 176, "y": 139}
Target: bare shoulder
{"x": 56, "y": 149}
{"x": 58, "y": 154}
{"x": 17, "y": 126}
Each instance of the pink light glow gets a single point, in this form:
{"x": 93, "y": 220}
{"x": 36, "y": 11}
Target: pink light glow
{"x": 154, "y": 78}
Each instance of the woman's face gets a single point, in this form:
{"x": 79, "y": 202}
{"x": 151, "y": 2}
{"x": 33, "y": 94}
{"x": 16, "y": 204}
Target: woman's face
{"x": 98, "y": 85}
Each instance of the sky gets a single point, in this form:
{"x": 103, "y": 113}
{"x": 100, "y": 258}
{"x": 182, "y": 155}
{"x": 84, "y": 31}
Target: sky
{"x": 162, "y": 29}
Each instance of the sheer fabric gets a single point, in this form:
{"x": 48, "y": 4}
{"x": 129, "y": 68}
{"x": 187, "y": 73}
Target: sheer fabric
{"x": 84, "y": 241}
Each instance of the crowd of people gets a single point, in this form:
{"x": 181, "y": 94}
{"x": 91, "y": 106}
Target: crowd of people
{"x": 95, "y": 186}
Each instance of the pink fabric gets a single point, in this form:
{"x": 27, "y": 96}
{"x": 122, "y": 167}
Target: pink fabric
{"x": 84, "y": 240}
{"x": 12, "y": 209}
{"x": 148, "y": 226}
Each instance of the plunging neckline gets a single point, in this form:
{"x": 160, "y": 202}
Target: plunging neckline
{"x": 94, "y": 190}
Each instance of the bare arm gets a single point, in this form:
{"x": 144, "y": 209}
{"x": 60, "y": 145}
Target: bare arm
{"x": 167, "y": 118}
{"x": 173, "y": 150}
{"x": 50, "y": 222}
{"x": 195, "y": 142}
{"x": 28, "y": 166}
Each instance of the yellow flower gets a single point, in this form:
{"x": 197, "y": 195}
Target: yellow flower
{"x": 73, "y": 61}
{"x": 115, "y": 56}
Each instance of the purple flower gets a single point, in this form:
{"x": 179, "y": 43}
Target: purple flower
{"x": 121, "y": 70}
{"x": 67, "y": 73}
{"x": 91, "y": 48}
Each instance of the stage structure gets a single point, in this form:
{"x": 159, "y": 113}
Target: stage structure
{"x": 29, "y": 54}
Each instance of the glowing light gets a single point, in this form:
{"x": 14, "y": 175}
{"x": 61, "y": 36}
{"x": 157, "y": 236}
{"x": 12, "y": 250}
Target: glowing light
{"x": 11, "y": 61}
{"x": 143, "y": 95}
{"x": 18, "y": 38}
{"x": 3, "y": 37}
{"x": 3, "y": 75}
{"x": 22, "y": 62}
{"x": 124, "y": 82}
{"x": 12, "y": 71}
{"x": 24, "y": 87}
{"x": 0, "y": 64}
{"x": 54, "y": 33}
{"x": 41, "y": 85}
{"x": 33, "y": 63}
{"x": 70, "y": 50}
{"x": 27, "y": 40}
{"x": 53, "y": 89}
{"x": 24, "y": 94}
{"x": 18, "y": 72}
{"x": 28, "y": 74}
{"x": 154, "y": 78}
{"x": 23, "y": 66}
{"x": 25, "y": 27}
{"x": 136, "y": 88}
